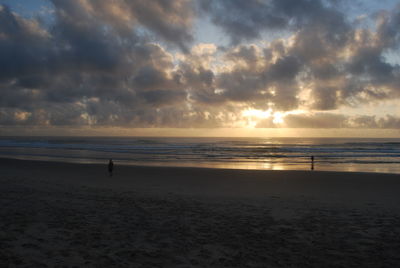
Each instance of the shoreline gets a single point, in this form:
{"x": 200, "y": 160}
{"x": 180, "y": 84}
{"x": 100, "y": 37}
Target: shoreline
{"x": 215, "y": 182}
{"x": 42, "y": 163}
{"x": 205, "y": 165}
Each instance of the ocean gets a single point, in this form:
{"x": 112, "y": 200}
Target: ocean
{"x": 330, "y": 154}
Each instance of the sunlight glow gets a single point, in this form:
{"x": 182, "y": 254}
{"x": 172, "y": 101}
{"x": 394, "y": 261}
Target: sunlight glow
{"x": 254, "y": 116}
{"x": 257, "y": 113}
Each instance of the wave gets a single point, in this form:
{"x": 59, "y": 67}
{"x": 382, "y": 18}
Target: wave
{"x": 209, "y": 151}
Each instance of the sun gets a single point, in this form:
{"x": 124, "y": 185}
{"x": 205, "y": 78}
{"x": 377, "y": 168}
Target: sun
{"x": 278, "y": 118}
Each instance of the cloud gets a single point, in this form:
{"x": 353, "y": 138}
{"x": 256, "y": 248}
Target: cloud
{"x": 333, "y": 120}
{"x": 135, "y": 63}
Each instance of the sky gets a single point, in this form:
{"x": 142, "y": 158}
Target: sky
{"x": 200, "y": 67}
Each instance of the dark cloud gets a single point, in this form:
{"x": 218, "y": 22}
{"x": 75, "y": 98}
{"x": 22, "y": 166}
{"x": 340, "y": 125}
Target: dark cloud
{"x": 247, "y": 20}
{"x": 388, "y": 24}
{"x": 23, "y": 45}
{"x": 90, "y": 66}
{"x": 271, "y": 83}
{"x": 369, "y": 63}
{"x": 319, "y": 120}
{"x": 240, "y": 85}
{"x": 163, "y": 97}
{"x": 325, "y": 98}
{"x": 243, "y": 19}
{"x": 170, "y": 20}
{"x": 284, "y": 69}
{"x": 365, "y": 121}
{"x": 246, "y": 53}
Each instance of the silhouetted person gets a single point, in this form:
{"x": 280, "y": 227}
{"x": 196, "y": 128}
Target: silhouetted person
{"x": 312, "y": 162}
{"x": 110, "y": 167}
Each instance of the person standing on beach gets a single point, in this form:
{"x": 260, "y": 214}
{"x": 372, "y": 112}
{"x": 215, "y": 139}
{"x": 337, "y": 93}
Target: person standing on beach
{"x": 312, "y": 162}
{"x": 110, "y": 167}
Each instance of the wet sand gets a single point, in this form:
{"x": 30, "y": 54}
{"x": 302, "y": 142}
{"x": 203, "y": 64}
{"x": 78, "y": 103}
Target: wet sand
{"x": 73, "y": 215}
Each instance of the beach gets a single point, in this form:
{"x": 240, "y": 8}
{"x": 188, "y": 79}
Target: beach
{"x": 75, "y": 215}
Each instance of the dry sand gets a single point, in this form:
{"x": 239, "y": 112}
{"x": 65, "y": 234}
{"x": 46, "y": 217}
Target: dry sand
{"x": 72, "y": 215}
